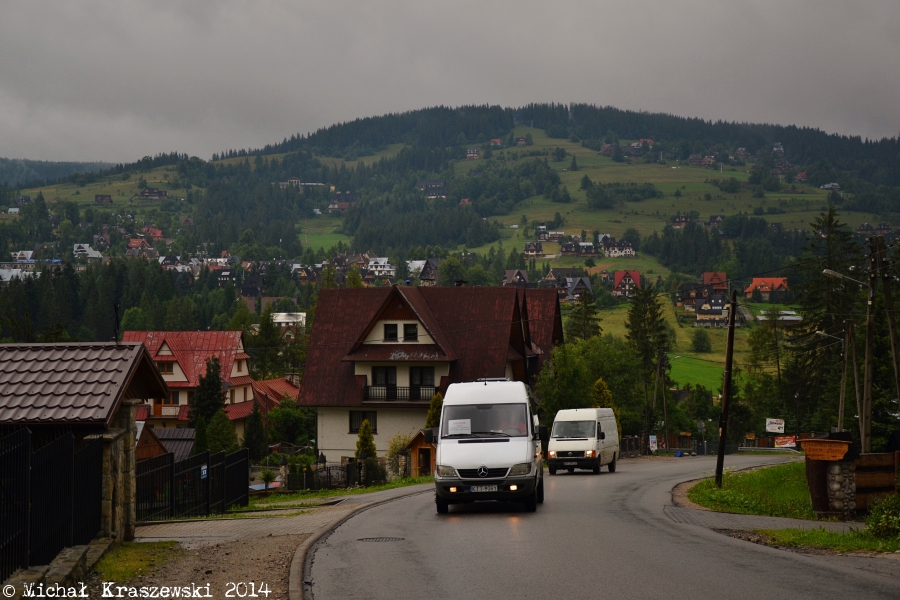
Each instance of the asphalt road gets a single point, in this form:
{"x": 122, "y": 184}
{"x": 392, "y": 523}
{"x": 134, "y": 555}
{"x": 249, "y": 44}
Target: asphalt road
{"x": 596, "y": 536}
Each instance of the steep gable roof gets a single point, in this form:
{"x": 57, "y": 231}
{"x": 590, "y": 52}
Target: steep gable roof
{"x": 620, "y": 275}
{"x": 191, "y": 349}
{"x": 714, "y": 277}
{"x": 767, "y": 284}
{"x": 73, "y": 384}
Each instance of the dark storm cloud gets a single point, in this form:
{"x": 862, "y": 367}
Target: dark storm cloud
{"x": 117, "y": 81}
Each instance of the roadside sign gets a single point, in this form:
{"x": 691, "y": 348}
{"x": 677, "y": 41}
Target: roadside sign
{"x": 786, "y": 441}
{"x": 775, "y": 425}
{"x": 203, "y": 472}
{"x": 701, "y": 426}
{"x": 653, "y": 445}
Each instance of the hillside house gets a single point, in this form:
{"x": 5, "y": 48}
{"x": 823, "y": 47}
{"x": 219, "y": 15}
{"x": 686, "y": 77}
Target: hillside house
{"x": 429, "y": 275}
{"x": 517, "y": 277}
{"x": 533, "y": 250}
{"x": 380, "y": 354}
{"x": 472, "y": 153}
{"x": 267, "y": 394}
{"x": 865, "y": 229}
{"x": 625, "y": 283}
{"x": 180, "y": 357}
{"x": 715, "y": 220}
{"x": 556, "y": 277}
{"x": 694, "y": 294}
{"x": 569, "y": 249}
{"x": 830, "y": 186}
{"x": 614, "y": 249}
{"x": 153, "y": 233}
{"x": 86, "y": 252}
{"x": 103, "y": 198}
{"x": 717, "y": 279}
{"x": 766, "y": 286}
{"x": 884, "y": 229}
{"x": 556, "y": 236}
{"x": 425, "y": 184}
{"x": 520, "y": 141}
{"x": 433, "y": 193}
{"x": 22, "y": 200}
{"x": 713, "y": 312}
{"x": 576, "y": 286}
{"x": 801, "y": 177}
{"x": 680, "y": 221}
{"x": 496, "y": 142}
{"x": 381, "y": 267}
{"x": 137, "y": 243}
{"x": 465, "y": 202}
{"x": 153, "y": 194}
{"x": 13, "y": 210}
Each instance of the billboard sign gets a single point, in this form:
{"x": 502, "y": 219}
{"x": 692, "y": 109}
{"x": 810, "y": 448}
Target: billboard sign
{"x": 775, "y": 425}
{"x": 786, "y": 441}
{"x": 653, "y": 445}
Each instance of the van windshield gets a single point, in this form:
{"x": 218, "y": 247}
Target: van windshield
{"x": 485, "y": 420}
{"x": 573, "y": 429}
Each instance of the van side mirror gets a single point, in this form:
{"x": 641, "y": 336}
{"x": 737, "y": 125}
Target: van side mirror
{"x": 602, "y": 435}
{"x": 429, "y": 435}
{"x": 540, "y": 431}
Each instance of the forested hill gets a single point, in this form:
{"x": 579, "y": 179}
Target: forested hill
{"x": 16, "y": 171}
{"x": 875, "y": 161}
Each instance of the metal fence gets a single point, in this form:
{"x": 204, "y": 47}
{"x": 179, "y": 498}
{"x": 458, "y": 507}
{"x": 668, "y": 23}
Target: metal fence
{"x": 198, "y": 486}
{"x": 50, "y": 498}
{"x": 631, "y": 447}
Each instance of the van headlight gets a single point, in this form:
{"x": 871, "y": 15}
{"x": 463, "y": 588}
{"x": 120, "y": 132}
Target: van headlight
{"x": 589, "y": 454}
{"x": 443, "y": 471}
{"x": 520, "y": 469}
{"x": 551, "y": 454}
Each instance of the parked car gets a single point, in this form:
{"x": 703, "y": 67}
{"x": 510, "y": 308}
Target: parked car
{"x": 488, "y": 445}
{"x": 583, "y": 438}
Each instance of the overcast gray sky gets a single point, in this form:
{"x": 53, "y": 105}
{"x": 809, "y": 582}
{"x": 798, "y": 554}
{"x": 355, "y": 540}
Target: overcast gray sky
{"x": 104, "y": 80}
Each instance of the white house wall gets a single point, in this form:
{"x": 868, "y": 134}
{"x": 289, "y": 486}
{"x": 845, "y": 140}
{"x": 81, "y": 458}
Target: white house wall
{"x": 333, "y": 429}
{"x": 364, "y": 368}
{"x": 376, "y": 336}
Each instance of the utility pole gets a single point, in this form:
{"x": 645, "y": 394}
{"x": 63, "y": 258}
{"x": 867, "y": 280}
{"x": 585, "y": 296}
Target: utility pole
{"x": 659, "y": 358}
{"x": 726, "y": 390}
{"x": 865, "y": 416}
{"x": 852, "y": 332}
{"x": 845, "y": 353}
{"x": 665, "y": 410}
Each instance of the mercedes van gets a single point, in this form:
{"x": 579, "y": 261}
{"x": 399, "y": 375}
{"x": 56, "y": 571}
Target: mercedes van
{"x": 488, "y": 445}
{"x": 583, "y": 438}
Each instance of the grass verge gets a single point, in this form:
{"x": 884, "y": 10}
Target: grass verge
{"x": 287, "y": 497}
{"x": 852, "y": 541}
{"x": 778, "y": 491}
{"x": 128, "y": 560}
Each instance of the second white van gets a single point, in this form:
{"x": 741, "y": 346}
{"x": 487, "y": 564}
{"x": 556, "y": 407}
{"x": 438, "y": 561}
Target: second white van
{"x": 583, "y": 438}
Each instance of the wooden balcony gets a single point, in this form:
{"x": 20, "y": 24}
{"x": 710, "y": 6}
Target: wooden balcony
{"x": 390, "y": 393}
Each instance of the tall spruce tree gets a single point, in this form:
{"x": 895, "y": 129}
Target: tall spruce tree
{"x": 209, "y": 398}
{"x": 221, "y": 434}
{"x": 584, "y": 320}
{"x": 647, "y": 335}
{"x": 255, "y": 434}
{"x": 201, "y": 440}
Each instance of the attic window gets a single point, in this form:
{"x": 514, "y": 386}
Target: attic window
{"x": 164, "y": 367}
{"x": 410, "y": 332}
{"x": 390, "y": 332}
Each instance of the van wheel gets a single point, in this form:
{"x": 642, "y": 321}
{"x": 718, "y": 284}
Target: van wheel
{"x": 596, "y": 469}
{"x": 531, "y": 502}
{"x": 552, "y": 470}
{"x": 540, "y": 492}
{"x": 443, "y": 507}
{"x": 612, "y": 465}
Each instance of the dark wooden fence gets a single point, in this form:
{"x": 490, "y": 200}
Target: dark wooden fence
{"x": 198, "y": 486}
{"x": 50, "y": 498}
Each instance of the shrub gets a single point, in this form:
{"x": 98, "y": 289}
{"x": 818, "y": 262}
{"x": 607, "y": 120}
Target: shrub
{"x": 883, "y": 521}
{"x": 395, "y": 449}
{"x": 700, "y": 341}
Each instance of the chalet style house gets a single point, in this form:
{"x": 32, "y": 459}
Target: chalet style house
{"x": 181, "y": 358}
{"x": 625, "y": 282}
{"x": 765, "y": 286}
{"x": 718, "y": 281}
{"x": 713, "y": 312}
{"x": 695, "y": 294}
{"x": 380, "y": 354}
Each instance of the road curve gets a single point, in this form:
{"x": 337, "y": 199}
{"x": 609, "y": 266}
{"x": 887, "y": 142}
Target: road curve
{"x": 596, "y": 536}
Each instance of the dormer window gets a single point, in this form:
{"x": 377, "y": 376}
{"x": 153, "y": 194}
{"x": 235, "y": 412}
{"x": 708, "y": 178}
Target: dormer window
{"x": 390, "y": 332}
{"x": 165, "y": 367}
{"x": 240, "y": 366}
{"x": 411, "y": 332}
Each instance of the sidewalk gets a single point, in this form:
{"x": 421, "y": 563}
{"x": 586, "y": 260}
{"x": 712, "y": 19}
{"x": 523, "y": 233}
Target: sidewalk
{"x": 195, "y": 534}
{"x": 720, "y": 520}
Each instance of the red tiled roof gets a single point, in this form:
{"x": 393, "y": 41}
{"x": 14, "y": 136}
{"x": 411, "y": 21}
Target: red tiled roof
{"x": 620, "y": 275}
{"x": 73, "y": 384}
{"x": 242, "y": 410}
{"x": 191, "y": 349}
{"x": 711, "y": 277}
{"x": 184, "y": 412}
{"x": 767, "y": 284}
{"x": 474, "y": 327}
{"x": 276, "y": 389}
{"x": 142, "y": 412}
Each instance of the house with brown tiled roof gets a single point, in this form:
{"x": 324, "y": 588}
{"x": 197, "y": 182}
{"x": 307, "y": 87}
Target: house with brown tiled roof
{"x": 516, "y": 277}
{"x": 181, "y": 358}
{"x": 718, "y": 280}
{"x": 380, "y": 354}
{"x": 267, "y": 394}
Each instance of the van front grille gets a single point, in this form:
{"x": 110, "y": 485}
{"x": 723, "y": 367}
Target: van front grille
{"x": 570, "y": 454}
{"x": 473, "y": 473}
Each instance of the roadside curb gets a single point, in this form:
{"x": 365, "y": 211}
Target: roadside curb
{"x": 298, "y": 563}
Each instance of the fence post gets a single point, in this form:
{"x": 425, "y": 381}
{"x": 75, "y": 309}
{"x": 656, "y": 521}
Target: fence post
{"x": 171, "y": 462}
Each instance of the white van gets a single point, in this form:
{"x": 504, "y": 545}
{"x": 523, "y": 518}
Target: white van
{"x": 488, "y": 445}
{"x": 583, "y": 438}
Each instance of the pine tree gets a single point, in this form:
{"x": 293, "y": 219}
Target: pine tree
{"x": 201, "y": 441}
{"x": 617, "y": 154}
{"x": 584, "y": 320}
{"x": 354, "y": 278}
{"x": 365, "y": 441}
{"x": 647, "y": 335}
{"x": 433, "y": 419}
{"x": 209, "y": 398}
{"x": 255, "y": 434}
{"x": 221, "y": 434}
{"x": 573, "y": 166}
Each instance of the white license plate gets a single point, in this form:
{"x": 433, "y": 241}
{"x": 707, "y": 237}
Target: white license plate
{"x": 483, "y": 488}
{"x": 570, "y": 464}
